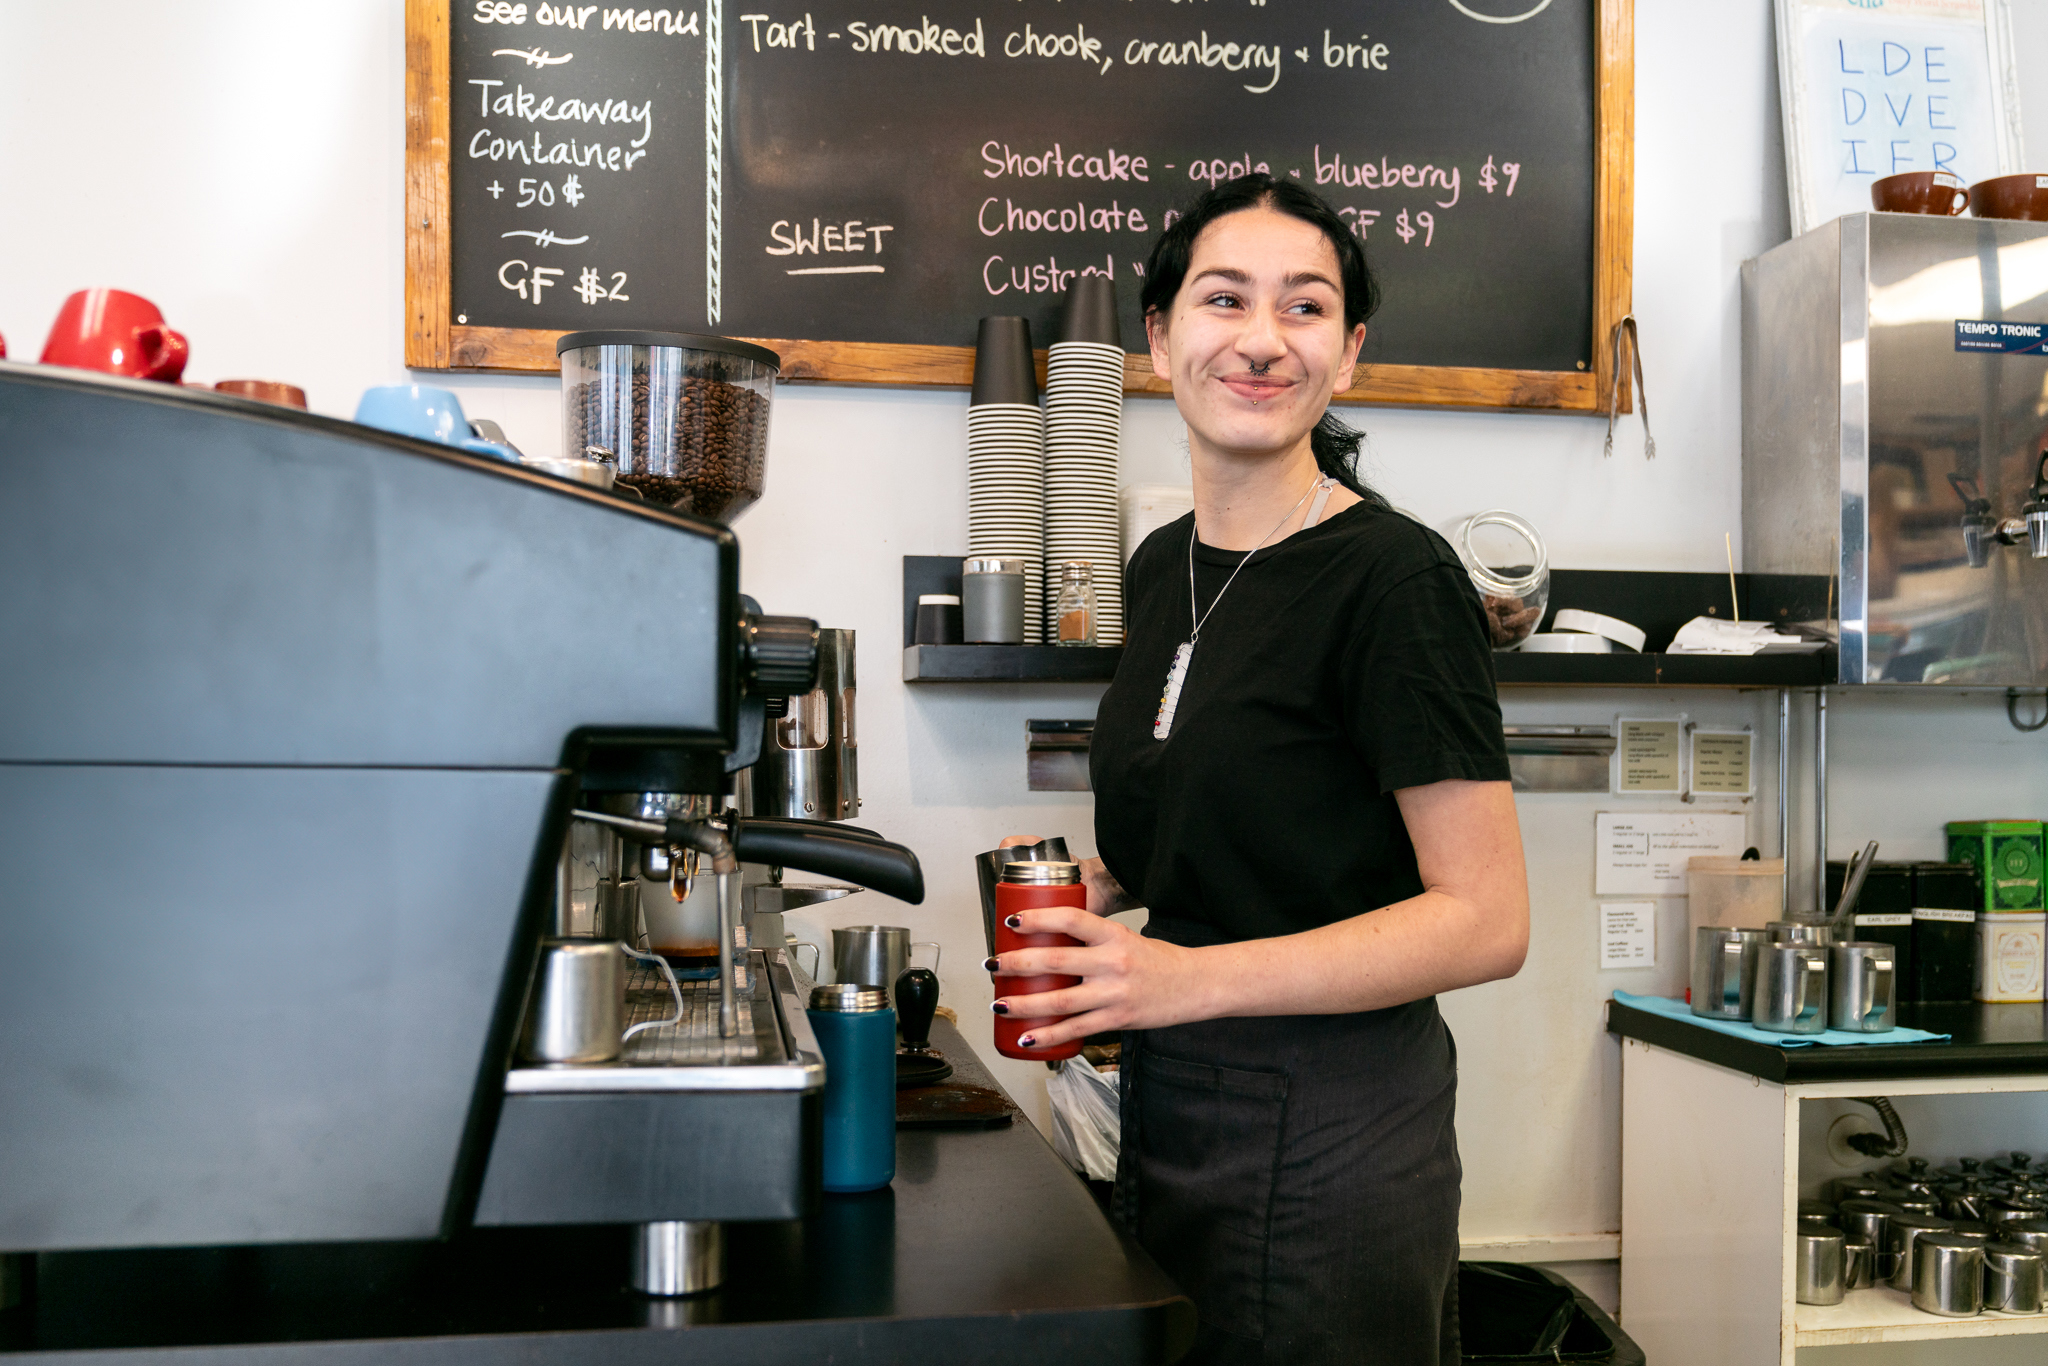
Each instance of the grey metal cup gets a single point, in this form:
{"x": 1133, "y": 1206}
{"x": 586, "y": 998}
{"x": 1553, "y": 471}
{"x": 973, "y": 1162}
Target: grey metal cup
{"x": 1791, "y": 989}
{"x": 1821, "y": 1276}
{"x": 1800, "y": 932}
{"x": 1724, "y": 971}
{"x": 1899, "y": 1236}
{"x": 1862, "y": 987}
{"x": 992, "y": 601}
{"x": 1859, "y": 1265}
{"x": 988, "y": 870}
{"x": 873, "y": 955}
{"x": 1865, "y": 1221}
{"x": 2028, "y": 1232}
{"x": 1855, "y": 1187}
{"x": 1948, "y": 1275}
{"x": 2015, "y": 1278}
{"x": 579, "y": 998}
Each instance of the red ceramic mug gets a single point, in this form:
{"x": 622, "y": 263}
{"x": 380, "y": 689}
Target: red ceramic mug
{"x": 116, "y": 332}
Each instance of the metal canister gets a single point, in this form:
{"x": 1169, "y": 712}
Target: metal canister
{"x": 2015, "y": 1278}
{"x": 1856, "y": 1188}
{"x": 1865, "y": 1221}
{"x": 1962, "y": 1200}
{"x": 992, "y": 601}
{"x": 1859, "y": 1262}
{"x": 1724, "y": 962}
{"x": 2005, "y": 1209}
{"x": 856, "y": 1032}
{"x": 1914, "y": 1203}
{"x": 1814, "y": 934}
{"x": 1899, "y": 1236}
{"x": 2028, "y": 1232}
{"x": 1821, "y": 1274}
{"x": 1817, "y": 1212}
{"x": 1948, "y": 1275}
{"x": 1791, "y": 989}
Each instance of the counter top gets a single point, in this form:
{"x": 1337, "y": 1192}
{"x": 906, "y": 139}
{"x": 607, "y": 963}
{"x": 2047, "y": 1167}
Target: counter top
{"x": 986, "y": 1248}
{"x": 1986, "y": 1040}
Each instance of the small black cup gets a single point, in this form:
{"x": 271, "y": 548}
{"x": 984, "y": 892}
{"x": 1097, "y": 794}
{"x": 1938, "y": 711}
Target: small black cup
{"x": 1003, "y": 368}
{"x": 938, "y": 623}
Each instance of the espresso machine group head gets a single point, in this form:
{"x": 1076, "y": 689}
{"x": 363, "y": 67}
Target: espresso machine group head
{"x": 339, "y": 692}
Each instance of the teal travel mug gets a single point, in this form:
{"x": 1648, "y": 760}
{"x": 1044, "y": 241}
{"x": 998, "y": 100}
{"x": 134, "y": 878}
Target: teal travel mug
{"x": 856, "y": 1032}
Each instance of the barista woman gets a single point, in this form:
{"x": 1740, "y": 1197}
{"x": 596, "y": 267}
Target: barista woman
{"x": 1313, "y": 802}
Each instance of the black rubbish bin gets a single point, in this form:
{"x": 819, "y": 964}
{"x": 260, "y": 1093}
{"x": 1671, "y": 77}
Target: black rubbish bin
{"x": 1508, "y": 1312}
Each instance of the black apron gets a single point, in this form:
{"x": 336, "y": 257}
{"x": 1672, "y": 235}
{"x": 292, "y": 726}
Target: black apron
{"x": 1304, "y": 1199}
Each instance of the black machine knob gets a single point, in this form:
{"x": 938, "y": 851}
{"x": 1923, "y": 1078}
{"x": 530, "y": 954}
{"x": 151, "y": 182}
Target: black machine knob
{"x": 778, "y": 655}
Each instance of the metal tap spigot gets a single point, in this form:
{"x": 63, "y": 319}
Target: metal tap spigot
{"x": 1980, "y": 526}
{"x": 2035, "y": 513}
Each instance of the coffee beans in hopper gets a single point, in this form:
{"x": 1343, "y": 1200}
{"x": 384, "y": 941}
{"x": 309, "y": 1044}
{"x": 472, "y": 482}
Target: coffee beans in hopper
{"x": 717, "y": 456}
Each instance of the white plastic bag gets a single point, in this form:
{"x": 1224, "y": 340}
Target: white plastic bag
{"x": 1086, "y": 1127}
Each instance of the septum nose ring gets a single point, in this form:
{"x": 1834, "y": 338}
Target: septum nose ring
{"x": 1261, "y": 367}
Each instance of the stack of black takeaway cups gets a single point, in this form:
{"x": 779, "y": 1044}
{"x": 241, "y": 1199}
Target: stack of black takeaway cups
{"x": 1084, "y": 408}
{"x": 1006, "y": 461}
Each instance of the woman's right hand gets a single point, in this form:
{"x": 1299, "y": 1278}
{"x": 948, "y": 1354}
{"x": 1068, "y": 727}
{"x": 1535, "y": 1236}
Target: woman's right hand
{"x": 1106, "y": 895}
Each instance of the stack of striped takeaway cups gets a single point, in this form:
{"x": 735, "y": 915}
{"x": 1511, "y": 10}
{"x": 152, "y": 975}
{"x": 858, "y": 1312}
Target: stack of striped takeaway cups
{"x": 1006, "y": 461}
{"x": 1084, "y": 407}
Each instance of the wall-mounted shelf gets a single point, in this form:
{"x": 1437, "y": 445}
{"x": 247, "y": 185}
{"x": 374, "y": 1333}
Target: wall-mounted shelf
{"x": 988, "y": 663}
{"x": 1009, "y": 663}
{"x": 1660, "y": 603}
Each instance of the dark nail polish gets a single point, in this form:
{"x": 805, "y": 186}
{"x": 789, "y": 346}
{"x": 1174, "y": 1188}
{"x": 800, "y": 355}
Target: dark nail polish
{"x": 1015, "y": 922}
{"x": 991, "y": 964}
{"x": 1000, "y": 1007}
{"x": 1027, "y": 1041}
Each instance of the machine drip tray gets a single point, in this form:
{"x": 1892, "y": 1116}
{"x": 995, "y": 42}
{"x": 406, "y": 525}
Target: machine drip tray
{"x": 771, "y": 1051}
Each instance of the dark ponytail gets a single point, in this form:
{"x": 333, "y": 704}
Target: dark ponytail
{"x": 1333, "y": 441}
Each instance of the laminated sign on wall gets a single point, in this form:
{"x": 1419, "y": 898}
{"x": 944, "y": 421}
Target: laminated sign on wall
{"x": 1871, "y": 90}
{"x": 1644, "y": 853}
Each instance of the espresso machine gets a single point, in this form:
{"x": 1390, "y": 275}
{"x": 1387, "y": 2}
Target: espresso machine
{"x": 305, "y": 731}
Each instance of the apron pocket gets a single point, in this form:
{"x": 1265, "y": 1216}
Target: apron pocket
{"x": 1209, "y": 1145}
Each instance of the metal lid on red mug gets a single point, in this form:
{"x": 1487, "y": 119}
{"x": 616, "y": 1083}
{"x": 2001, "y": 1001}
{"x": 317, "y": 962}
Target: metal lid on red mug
{"x": 1041, "y": 874}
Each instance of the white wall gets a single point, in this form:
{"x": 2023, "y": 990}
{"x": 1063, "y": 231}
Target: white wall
{"x": 249, "y": 179}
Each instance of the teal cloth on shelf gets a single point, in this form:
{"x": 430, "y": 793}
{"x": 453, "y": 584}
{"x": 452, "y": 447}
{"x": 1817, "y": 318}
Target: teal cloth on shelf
{"x": 1679, "y": 1010}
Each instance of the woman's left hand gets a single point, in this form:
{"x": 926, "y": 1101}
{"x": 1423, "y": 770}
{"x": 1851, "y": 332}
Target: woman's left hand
{"x": 1128, "y": 981}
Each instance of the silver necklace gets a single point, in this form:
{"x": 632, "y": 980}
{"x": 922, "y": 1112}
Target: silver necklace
{"x": 1162, "y": 725}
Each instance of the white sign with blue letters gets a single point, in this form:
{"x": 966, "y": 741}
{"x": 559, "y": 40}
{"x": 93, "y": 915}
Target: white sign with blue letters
{"x": 1873, "y": 88}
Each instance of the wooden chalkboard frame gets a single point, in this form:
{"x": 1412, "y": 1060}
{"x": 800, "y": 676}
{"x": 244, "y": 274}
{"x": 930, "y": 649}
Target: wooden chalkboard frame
{"x": 434, "y": 341}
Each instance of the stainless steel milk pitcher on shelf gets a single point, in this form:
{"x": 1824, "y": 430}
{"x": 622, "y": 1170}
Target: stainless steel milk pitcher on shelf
{"x": 1791, "y": 989}
{"x": 1862, "y": 987}
{"x": 1724, "y": 971}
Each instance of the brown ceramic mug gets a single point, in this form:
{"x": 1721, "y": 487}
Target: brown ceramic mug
{"x": 2011, "y": 196}
{"x": 1935, "y": 192}
{"x": 264, "y": 391}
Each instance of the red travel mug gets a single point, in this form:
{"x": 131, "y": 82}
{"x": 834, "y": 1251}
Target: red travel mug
{"x": 1029, "y": 887}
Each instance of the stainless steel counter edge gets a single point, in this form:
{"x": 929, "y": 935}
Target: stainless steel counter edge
{"x": 806, "y": 1073}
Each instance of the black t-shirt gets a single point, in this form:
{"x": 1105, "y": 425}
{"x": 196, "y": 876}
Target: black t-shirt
{"x": 1346, "y": 662}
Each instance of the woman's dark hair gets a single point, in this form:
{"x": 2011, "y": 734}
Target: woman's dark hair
{"x": 1333, "y": 442}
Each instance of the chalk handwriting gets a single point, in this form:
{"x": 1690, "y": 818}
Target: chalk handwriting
{"x": 535, "y": 57}
{"x": 847, "y": 236}
{"x": 1202, "y": 52}
{"x": 1385, "y": 175}
{"x": 590, "y": 286}
{"x": 537, "y": 278}
{"x": 1347, "y": 55}
{"x": 1055, "y": 161}
{"x": 783, "y": 35}
{"x": 1039, "y": 277}
{"x": 545, "y": 237}
{"x": 994, "y": 222}
{"x": 1511, "y": 169}
{"x": 927, "y": 39}
{"x": 1031, "y": 43}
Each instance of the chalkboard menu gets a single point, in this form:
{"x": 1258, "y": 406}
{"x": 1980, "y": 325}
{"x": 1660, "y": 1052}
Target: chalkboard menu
{"x": 856, "y": 182}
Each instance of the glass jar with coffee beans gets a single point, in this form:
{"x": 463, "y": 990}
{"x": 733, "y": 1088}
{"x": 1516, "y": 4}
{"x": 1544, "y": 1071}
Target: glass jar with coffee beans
{"x": 683, "y": 417}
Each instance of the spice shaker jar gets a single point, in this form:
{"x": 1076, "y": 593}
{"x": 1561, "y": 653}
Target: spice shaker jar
{"x": 992, "y": 600}
{"x": 856, "y": 1032}
{"x": 1074, "y": 611}
{"x": 1029, "y": 887}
